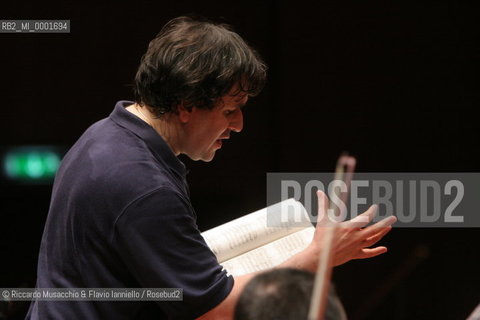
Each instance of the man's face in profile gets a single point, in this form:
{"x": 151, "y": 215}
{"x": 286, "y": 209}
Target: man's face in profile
{"x": 206, "y": 129}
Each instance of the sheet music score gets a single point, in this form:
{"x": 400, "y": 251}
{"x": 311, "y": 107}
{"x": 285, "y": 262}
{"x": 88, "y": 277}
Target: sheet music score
{"x": 246, "y": 233}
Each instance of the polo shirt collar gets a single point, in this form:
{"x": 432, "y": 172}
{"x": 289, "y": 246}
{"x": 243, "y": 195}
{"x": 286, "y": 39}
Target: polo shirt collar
{"x": 154, "y": 141}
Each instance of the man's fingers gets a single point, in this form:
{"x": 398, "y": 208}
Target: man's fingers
{"x": 379, "y": 226}
{"x": 363, "y": 219}
{"x": 372, "y": 252}
{"x": 376, "y": 237}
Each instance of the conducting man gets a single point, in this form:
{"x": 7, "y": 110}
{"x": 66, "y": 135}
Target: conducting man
{"x": 120, "y": 214}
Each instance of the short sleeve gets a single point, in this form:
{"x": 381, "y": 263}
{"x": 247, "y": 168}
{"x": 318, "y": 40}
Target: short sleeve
{"x": 158, "y": 239}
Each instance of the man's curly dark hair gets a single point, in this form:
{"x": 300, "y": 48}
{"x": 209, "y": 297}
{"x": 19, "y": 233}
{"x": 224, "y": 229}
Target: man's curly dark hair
{"x": 195, "y": 62}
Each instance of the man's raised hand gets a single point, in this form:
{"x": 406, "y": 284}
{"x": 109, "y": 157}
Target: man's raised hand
{"x": 352, "y": 239}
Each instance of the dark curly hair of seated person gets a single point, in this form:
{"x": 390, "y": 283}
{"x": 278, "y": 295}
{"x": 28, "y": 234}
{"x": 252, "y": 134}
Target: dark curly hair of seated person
{"x": 195, "y": 62}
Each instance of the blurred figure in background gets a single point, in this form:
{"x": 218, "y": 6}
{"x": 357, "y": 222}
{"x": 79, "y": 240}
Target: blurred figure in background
{"x": 283, "y": 294}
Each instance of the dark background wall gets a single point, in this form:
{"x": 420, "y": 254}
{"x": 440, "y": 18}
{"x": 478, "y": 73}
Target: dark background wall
{"x": 395, "y": 84}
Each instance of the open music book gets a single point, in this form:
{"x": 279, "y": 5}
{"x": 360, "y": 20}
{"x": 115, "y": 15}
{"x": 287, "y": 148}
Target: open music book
{"x": 262, "y": 239}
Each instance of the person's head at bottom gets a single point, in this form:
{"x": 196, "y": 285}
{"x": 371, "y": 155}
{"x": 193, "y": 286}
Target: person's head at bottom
{"x": 282, "y": 294}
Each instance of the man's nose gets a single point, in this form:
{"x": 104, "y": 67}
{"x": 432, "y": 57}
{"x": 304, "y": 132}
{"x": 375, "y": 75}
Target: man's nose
{"x": 236, "y": 124}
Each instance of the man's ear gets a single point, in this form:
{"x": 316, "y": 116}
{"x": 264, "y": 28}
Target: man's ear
{"x": 184, "y": 114}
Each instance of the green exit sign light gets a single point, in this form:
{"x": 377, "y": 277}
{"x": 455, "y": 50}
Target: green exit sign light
{"x": 31, "y": 164}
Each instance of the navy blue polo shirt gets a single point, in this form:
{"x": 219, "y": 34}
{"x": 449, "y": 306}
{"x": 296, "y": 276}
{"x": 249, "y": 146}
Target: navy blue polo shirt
{"x": 120, "y": 217}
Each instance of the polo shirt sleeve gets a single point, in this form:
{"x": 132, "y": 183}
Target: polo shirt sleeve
{"x": 158, "y": 239}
